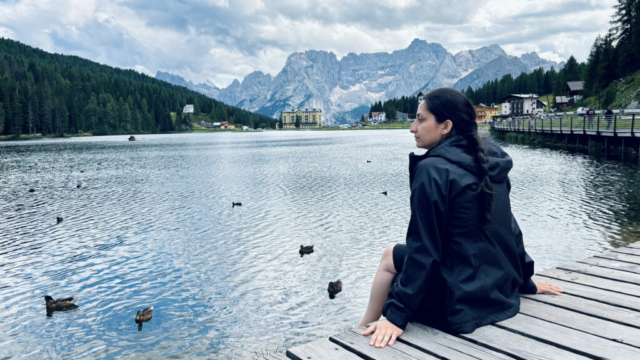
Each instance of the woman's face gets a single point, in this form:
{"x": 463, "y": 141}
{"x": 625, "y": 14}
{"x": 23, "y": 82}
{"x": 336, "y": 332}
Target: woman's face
{"x": 426, "y": 129}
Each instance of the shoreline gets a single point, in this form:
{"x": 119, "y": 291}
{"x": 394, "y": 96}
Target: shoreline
{"x": 23, "y": 137}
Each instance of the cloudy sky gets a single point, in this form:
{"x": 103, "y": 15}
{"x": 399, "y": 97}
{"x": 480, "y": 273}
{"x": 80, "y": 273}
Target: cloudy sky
{"x": 219, "y": 40}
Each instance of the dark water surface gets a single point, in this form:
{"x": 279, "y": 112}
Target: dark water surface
{"x": 152, "y": 224}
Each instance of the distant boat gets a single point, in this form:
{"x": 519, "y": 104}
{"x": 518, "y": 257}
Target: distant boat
{"x": 132, "y": 138}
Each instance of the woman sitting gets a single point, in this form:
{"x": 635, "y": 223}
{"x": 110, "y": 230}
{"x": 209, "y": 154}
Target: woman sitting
{"x": 464, "y": 264}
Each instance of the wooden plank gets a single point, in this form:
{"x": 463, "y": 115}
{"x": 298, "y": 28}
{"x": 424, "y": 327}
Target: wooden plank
{"x": 592, "y": 308}
{"x": 517, "y": 345}
{"x": 321, "y": 349}
{"x": 612, "y": 274}
{"x": 359, "y": 345}
{"x": 446, "y": 345}
{"x": 569, "y": 339}
{"x": 612, "y": 264}
{"x": 593, "y": 281}
{"x": 621, "y": 257}
{"x": 606, "y": 329}
{"x": 609, "y": 297}
{"x": 627, "y": 250}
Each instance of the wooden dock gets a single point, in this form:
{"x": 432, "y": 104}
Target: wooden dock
{"x": 597, "y": 317}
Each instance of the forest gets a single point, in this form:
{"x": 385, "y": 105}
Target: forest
{"x": 54, "y": 94}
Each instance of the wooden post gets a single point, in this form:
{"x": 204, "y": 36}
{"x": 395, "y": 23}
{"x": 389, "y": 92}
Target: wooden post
{"x": 605, "y": 148}
{"x": 615, "y": 120}
{"x": 598, "y": 128}
{"x": 560, "y": 126}
{"x": 622, "y": 149}
{"x": 633, "y": 120}
{"x": 571, "y": 124}
{"x": 589, "y": 148}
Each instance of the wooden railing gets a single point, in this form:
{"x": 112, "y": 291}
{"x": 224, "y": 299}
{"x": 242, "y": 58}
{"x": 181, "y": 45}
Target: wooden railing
{"x": 614, "y": 125}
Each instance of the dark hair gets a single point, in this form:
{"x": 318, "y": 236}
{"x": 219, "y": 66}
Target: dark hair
{"x": 450, "y": 104}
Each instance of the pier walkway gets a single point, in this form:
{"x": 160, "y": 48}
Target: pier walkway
{"x": 597, "y": 317}
{"x": 616, "y": 126}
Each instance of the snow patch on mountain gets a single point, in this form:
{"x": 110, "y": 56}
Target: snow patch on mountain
{"x": 343, "y": 88}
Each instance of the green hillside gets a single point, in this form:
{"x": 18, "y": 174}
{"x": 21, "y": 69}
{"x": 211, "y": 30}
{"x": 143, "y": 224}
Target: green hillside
{"x": 58, "y": 94}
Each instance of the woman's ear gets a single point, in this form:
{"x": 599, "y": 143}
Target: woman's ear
{"x": 447, "y": 126}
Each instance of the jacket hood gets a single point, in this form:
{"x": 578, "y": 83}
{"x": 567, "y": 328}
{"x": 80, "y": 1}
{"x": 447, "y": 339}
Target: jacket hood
{"x": 454, "y": 150}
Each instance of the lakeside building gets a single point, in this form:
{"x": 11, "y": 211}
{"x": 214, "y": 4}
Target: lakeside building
{"x": 484, "y": 112}
{"x": 522, "y": 104}
{"x": 309, "y": 118}
{"x": 506, "y": 109}
{"x": 402, "y": 117}
{"x": 378, "y": 117}
{"x": 573, "y": 90}
{"x": 562, "y": 101}
{"x": 188, "y": 109}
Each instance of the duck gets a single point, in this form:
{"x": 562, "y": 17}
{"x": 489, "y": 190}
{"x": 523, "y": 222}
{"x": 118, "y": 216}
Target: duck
{"x": 384, "y": 193}
{"x": 79, "y": 186}
{"x": 368, "y": 161}
{"x": 144, "y": 315}
{"x": 59, "y": 304}
{"x": 306, "y": 249}
{"x": 234, "y": 204}
{"x": 32, "y": 190}
{"x": 59, "y": 219}
{"x": 334, "y": 288}
{"x": 132, "y": 138}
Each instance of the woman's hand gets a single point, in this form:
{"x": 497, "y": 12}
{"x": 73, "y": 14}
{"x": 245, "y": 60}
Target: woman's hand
{"x": 385, "y": 332}
{"x": 546, "y": 288}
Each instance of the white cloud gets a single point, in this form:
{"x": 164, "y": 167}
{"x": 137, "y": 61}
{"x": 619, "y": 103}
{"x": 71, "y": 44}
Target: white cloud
{"x": 220, "y": 40}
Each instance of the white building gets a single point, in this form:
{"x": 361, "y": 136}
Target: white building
{"x": 378, "y": 117}
{"x": 505, "y": 109}
{"x": 522, "y": 104}
{"x": 188, "y": 109}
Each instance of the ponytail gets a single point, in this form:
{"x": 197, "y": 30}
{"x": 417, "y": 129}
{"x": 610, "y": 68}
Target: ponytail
{"x": 450, "y": 104}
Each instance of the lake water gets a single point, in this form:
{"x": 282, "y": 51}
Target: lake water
{"x": 152, "y": 224}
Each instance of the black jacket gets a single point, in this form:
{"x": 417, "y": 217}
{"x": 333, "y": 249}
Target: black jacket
{"x": 458, "y": 274}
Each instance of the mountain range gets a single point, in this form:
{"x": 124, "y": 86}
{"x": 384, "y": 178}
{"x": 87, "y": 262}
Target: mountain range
{"x": 345, "y": 88}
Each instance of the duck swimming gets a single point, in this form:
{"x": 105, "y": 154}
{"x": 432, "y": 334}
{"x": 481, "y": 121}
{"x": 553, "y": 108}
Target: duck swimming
{"x": 59, "y": 304}
{"x": 334, "y": 288}
{"x": 58, "y": 219}
{"x": 144, "y": 315}
{"x": 306, "y": 249}
{"x": 234, "y": 204}
{"x": 384, "y": 193}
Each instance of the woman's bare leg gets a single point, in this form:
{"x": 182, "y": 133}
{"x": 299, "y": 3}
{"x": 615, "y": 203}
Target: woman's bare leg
{"x": 380, "y": 288}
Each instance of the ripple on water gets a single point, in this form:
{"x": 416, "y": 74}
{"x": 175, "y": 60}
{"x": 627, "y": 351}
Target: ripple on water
{"x": 152, "y": 224}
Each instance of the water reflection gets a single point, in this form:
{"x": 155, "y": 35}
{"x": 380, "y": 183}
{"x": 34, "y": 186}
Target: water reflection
{"x": 151, "y": 224}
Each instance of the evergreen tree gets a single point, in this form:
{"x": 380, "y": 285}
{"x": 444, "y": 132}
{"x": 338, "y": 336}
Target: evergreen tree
{"x": 179, "y": 120}
{"x": 1, "y": 118}
{"x": 390, "y": 111}
{"x": 51, "y": 93}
